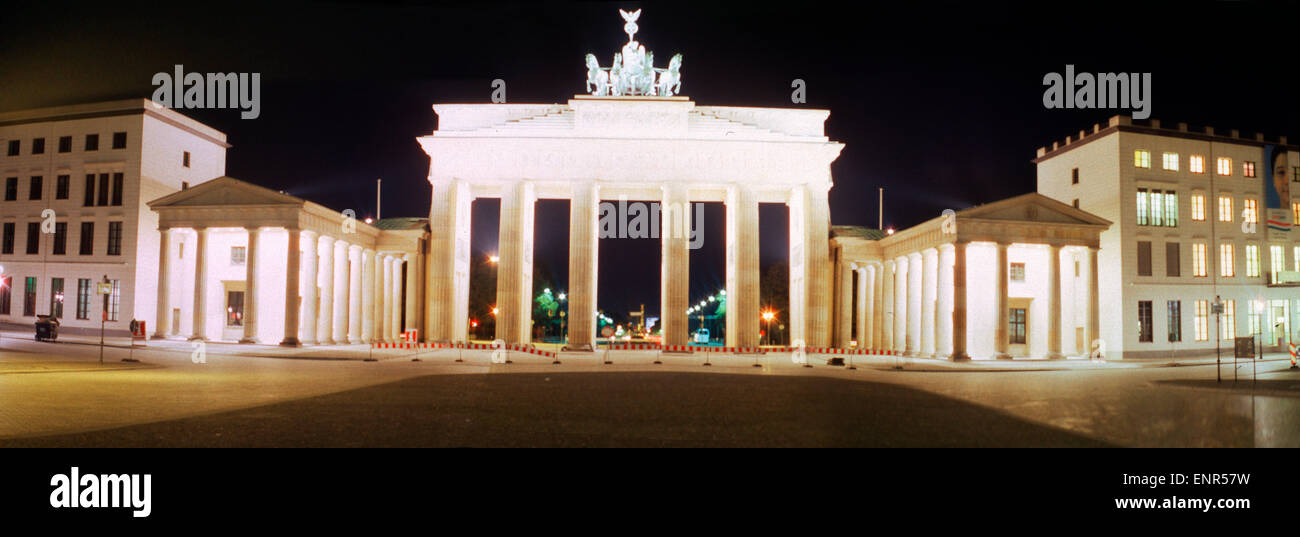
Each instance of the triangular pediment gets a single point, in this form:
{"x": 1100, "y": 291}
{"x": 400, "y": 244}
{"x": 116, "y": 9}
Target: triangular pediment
{"x": 1032, "y": 207}
{"x": 225, "y": 192}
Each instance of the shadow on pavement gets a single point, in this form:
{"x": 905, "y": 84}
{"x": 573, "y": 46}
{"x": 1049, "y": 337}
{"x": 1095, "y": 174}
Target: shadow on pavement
{"x": 597, "y": 410}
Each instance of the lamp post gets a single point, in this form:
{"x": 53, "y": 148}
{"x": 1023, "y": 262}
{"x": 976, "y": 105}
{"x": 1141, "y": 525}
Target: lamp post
{"x": 768, "y": 315}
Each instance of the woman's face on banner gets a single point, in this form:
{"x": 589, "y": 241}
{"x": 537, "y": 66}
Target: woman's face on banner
{"x": 1281, "y": 183}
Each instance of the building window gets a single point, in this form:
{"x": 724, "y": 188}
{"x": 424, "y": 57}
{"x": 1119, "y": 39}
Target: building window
{"x": 237, "y": 255}
{"x": 1157, "y": 208}
{"x": 185, "y": 159}
{"x": 1175, "y": 321}
{"x": 1277, "y": 262}
{"x": 1171, "y": 208}
{"x": 92, "y": 142}
{"x": 87, "y": 238}
{"x": 89, "y": 197}
{"x": 1227, "y": 261}
{"x": 29, "y": 296}
{"x": 65, "y": 144}
{"x": 1196, "y": 164}
{"x": 234, "y": 308}
{"x": 1295, "y": 258}
{"x": 38, "y": 146}
{"x": 8, "y": 244}
{"x": 37, "y": 187}
{"x": 102, "y": 200}
{"x": 118, "y": 184}
{"x": 1171, "y": 162}
{"x": 1201, "y": 320}
{"x": 1295, "y": 214}
{"x": 1142, "y": 207}
{"x": 11, "y": 188}
{"x": 1017, "y": 320}
{"x": 1198, "y": 207}
{"x": 1225, "y": 166}
{"x": 114, "y": 238}
{"x": 33, "y": 238}
{"x": 114, "y": 300}
{"x": 60, "y": 238}
{"x": 119, "y": 140}
{"x": 1247, "y": 169}
{"x": 1144, "y": 321}
{"x": 1225, "y": 208}
{"x": 1074, "y": 176}
{"x": 83, "y": 299}
{"x": 1017, "y": 272}
{"x": 1228, "y": 323}
{"x": 1250, "y": 211}
{"x": 13, "y": 148}
{"x": 6, "y": 296}
{"x": 1173, "y": 265}
{"x": 1144, "y": 258}
{"x": 62, "y": 187}
{"x": 1295, "y": 174}
{"x": 1142, "y": 159}
{"x": 1198, "y": 260}
{"x": 1252, "y": 261}
{"x": 56, "y": 297}
{"x": 1075, "y": 203}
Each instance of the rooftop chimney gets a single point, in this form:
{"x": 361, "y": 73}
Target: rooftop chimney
{"x": 1182, "y": 126}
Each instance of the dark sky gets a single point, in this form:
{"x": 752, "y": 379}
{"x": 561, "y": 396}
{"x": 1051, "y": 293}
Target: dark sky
{"x": 940, "y": 104}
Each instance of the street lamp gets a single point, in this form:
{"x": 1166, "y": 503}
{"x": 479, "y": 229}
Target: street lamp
{"x": 768, "y": 315}
{"x": 493, "y": 258}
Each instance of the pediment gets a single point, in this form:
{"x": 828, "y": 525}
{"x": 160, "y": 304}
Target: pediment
{"x": 1032, "y": 207}
{"x": 225, "y": 192}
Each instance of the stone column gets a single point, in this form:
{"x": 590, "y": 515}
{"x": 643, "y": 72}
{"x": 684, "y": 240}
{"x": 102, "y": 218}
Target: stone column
{"x": 310, "y": 286}
{"x": 325, "y": 279}
{"x": 879, "y": 305}
{"x": 1054, "y": 303}
{"x": 383, "y": 282}
{"x": 584, "y": 244}
{"x": 674, "y": 238}
{"x": 843, "y": 295}
{"x": 943, "y": 313}
{"x": 865, "y": 295}
{"x": 817, "y": 246}
{"x": 888, "y": 305}
{"x": 959, "y": 302}
{"x": 395, "y": 294}
{"x": 200, "y": 283}
{"x": 1000, "y": 303}
{"x": 446, "y": 299}
{"x": 1094, "y": 299}
{"x": 162, "y": 324}
{"x": 341, "y": 292}
{"x": 409, "y": 288}
{"x": 292, "y": 269}
{"x": 900, "y": 303}
{"x": 354, "y": 294}
{"x": 742, "y": 268}
{"x": 515, "y": 268}
{"x": 367, "y": 286}
{"x": 250, "y": 286}
{"x": 929, "y": 300}
{"x": 915, "y": 268}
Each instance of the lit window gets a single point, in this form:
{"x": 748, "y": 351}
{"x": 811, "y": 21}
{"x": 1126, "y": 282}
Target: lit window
{"x": 1248, "y": 169}
{"x": 1142, "y": 159}
{"x": 1017, "y": 272}
{"x": 1198, "y": 207}
{"x": 114, "y": 300}
{"x": 1225, "y": 166}
{"x": 1229, "y": 320}
{"x": 1198, "y": 259}
{"x": 1277, "y": 262}
{"x": 1295, "y": 213}
{"x": 1225, "y": 208}
{"x": 1142, "y": 207}
{"x": 1295, "y": 258}
{"x": 1252, "y": 261}
{"x": 1227, "y": 261}
{"x": 1196, "y": 164}
{"x": 1157, "y": 209}
{"x": 1202, "y": 320}
{"x": 1250, "y": 211}
{"x": 1171, "y": 161}
{"x": 1175, "y": 321}
{"x": 1171, "y": 208}
{"x": 1144, "y": 321}
{"x": 237, "y": 255}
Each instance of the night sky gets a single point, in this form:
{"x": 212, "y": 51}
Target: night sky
{"x": 940, "y": 104}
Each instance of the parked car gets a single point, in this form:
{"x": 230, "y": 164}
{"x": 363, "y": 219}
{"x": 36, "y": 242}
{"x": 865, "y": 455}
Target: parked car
{"x": 47, "y": 328}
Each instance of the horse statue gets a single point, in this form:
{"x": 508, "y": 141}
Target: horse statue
{"x": 670, "y": 79}
{"x": 616, "y": 75}
{"x": 596, "y": 76}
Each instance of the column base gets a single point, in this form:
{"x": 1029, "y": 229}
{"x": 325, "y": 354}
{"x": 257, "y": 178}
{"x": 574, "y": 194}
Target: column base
{"x": 959, "y": 357}
{"x": 1055, "y": 356}
{"x": 356, "y": 341}
{"x": 197, "y": 338}
{"x": 578, "y": 348}
{"x": 1001, "y": 356}
{"x": 158, "y": 336}
{"x": 248, "y": 341}
{"x": 291, "y": 342}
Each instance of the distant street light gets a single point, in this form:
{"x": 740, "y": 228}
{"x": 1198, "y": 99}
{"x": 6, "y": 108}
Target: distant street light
{"x": 493, "y": 259}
